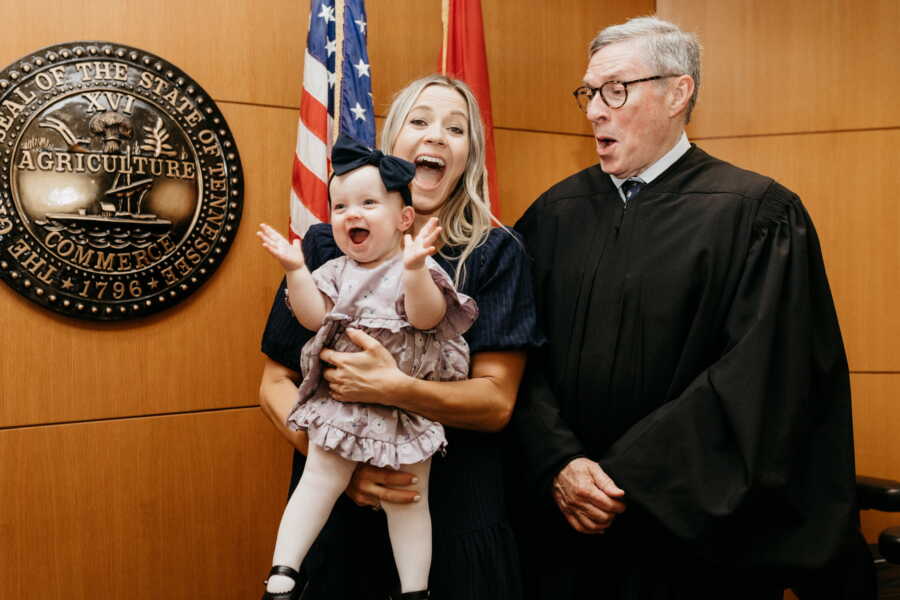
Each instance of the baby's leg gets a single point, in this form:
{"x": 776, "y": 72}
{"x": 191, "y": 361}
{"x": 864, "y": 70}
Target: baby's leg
{"x": 409, "y": 526}
{"x": 325, "y": 477}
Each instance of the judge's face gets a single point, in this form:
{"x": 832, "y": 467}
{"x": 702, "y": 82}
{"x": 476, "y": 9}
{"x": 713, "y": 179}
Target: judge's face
{"x": 630, "y": 138}
{"x": 435, "y": 137}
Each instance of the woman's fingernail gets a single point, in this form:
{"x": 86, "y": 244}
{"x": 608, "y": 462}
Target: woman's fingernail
{"x": 417, "y": 498}
{"x": 415, "y": 480}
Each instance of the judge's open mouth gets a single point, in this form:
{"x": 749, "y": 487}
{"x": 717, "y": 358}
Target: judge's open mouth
{"x": 358, "y": 235}
{"x": 605, "y": 143}
{"x": 429, "y": 170}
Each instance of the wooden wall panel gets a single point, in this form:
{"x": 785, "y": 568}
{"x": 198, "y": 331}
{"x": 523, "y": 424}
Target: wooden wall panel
{"x": 537, "y": 53}
{"x": 778, "y": 67}
{"x": 202, "y": 353}
{"x": 530, "y": 162}
{"x": 179, "y": 507}
{"x": 877, "y": 444}
{"x": 236, "y": 50}
{"x": 405, "y": 39}
{"x": 848, "y": 182}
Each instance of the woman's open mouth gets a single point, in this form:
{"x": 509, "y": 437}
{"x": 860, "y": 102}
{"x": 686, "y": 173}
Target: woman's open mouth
{"x": 358, "y": 235}
{"x": 429, "y": 171}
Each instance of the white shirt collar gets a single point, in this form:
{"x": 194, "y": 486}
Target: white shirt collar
{"x": 656, "y": 169}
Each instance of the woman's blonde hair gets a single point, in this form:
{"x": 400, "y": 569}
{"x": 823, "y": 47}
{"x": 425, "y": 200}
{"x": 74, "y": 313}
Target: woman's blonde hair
{"x": 465, "y": 216}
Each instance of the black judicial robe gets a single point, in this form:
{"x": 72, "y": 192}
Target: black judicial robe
{"x": 694, "y": 351}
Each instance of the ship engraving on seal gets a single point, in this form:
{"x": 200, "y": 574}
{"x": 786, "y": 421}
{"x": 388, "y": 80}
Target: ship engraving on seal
{"x": 121, "y": 186}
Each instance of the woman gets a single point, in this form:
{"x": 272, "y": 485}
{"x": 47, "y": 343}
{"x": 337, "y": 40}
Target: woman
{"x": 435, "y": 123}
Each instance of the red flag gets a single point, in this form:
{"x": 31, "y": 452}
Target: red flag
{"x": 463, "y": 56}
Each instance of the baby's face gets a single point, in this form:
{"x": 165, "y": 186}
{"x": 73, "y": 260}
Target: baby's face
{"x": 366, "y": 218}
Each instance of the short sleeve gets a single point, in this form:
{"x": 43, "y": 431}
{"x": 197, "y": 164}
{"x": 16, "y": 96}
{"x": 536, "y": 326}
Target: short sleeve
{"x": 327, "y": 277}
{"x": 462, "y": 311}
{"x": 283, "y": 336}
{"x": 499, "y": 280}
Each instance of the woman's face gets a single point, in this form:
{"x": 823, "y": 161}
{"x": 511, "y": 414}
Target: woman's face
{"x": 435, "y": 137}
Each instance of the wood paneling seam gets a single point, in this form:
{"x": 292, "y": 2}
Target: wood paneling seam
{"x": 131, "y": 417}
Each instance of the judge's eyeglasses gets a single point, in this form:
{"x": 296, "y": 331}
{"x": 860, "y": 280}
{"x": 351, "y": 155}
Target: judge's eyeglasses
{"x": 613, "y": 93}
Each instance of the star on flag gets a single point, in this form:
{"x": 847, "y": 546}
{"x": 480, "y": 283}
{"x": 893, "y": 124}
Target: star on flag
{"x": 327, "y": 13}
{"x": 362, "y": 69}
{"x": 359, "y": 112}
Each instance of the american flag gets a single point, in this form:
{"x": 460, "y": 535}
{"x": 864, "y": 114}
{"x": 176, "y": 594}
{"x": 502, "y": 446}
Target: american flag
{"x": 335, "y": 73}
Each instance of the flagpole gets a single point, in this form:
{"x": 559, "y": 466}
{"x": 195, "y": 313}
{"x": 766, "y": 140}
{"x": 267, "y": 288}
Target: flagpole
{"x": 338, "y": 68}
{"x": 445, "y": 21}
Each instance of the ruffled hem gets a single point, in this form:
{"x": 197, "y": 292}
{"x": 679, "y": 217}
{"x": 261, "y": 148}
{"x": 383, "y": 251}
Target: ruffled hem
{"x": 375, "y": 452}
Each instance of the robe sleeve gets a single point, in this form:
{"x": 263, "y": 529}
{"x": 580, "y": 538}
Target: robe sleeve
{"x": 753, "y": 461}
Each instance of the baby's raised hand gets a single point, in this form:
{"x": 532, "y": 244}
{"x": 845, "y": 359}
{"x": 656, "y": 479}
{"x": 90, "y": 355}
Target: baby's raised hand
{"x": 290, "y": 255}
{"x": 415, "y": 250}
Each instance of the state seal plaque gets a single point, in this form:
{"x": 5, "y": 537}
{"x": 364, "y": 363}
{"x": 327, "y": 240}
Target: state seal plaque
{"x": 120, "y": 185}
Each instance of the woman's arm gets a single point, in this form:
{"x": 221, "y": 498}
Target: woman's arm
{"x": 277, "y": 396}
{"x": 484, "y": 402}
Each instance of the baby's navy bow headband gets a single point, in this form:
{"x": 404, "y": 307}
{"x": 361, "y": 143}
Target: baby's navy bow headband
{"x": 396, "y": 173}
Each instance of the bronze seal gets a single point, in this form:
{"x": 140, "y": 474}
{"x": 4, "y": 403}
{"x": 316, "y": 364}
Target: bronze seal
{"x": 121, "y": 187}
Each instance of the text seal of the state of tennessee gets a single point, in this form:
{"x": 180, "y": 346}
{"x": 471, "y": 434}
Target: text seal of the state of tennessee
{"x": 120, "y": 183}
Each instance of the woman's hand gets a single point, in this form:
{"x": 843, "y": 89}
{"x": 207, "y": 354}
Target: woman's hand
{"x": 484, "y": 402}
{"x": 415, "y": 250}
{"x": 370, "y": 486}
{"x": 290, "y": 255}
{"x": 367, "y": 376}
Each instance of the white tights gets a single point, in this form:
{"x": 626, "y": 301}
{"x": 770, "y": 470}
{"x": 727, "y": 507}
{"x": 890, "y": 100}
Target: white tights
{"x": 325, "y": 477}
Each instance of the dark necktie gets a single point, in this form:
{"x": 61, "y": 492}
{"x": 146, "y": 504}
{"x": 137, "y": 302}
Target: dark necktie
{"x": 630, "y": 188}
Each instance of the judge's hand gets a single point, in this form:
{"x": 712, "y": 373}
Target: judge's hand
{"x": 367, "y": 376}
{"x": 370, "y": 486}
{"x": 586, "y": 496}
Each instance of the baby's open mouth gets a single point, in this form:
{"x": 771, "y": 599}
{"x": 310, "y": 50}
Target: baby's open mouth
{"x": 358, "y": 235}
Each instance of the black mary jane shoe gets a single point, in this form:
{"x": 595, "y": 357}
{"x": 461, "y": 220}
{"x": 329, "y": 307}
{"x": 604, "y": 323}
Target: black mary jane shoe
{"x": 419, "y": 595}
{"x": 295, "y": 592}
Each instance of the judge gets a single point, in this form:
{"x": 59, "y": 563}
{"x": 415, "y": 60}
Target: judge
{"x": 692, "y": 404}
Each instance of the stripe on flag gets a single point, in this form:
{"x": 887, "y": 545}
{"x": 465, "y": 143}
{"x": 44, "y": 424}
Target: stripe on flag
{"x": 315, "y": 78}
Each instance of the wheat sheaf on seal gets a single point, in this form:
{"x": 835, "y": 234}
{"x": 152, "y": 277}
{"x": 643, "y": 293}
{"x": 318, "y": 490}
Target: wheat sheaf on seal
{"x": 120, "y": 186}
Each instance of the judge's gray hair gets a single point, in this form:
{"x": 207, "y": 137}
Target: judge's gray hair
{"x": 669, "y": 50}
